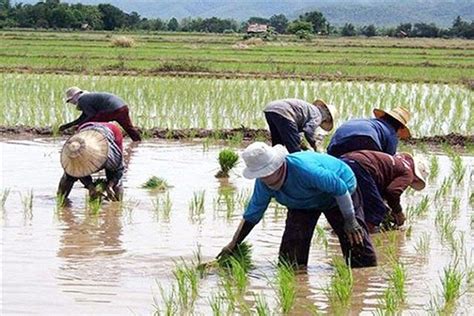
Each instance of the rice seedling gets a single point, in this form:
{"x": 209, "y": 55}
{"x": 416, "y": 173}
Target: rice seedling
{"x": 156, "y": 183}
{"x": 196, "y": 206}
{"x": 458, "y": 168}
{"x": 93, "y": 205}
{"x": 451, "y": 282}
{"x": 217, "y": 303}
{"x": 227, "y": 160}
{"x": 444, "y": 188}
{"x": 321, "y": 237}
{"x": 434, "y": 167}
{"x": 162, "y": 205}
{"x": 398, "y": 279}
{"x": 339, "y": 291}
{"x": 409, "y": 231}
{"x": 445, "y": 225}
{"x": 170, "y": 306}
{"x": 261, "y": 305}
{"x": 27, "y": 201}
{"x": 187, "y": 280}
{"x": 285, "y": 286}
{"x": 4, "y": 197}
{"x": 422, "y": 246}
{"x": 60, "y": 201}
{"x": 421, "y": 208}
{"x": 455, "y": 206}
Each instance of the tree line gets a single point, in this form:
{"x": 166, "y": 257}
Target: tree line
{"x": 52, "y": 14}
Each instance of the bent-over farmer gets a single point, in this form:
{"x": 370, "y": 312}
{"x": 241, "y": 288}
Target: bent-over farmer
{"x": 287, "y": 118}
{"x": 382, "y": 177}
{"x": 94, "y": 147}
{"x": 308, "y": 184}
{"x": 100, "y": 107}
{"x": 380, "y": 133}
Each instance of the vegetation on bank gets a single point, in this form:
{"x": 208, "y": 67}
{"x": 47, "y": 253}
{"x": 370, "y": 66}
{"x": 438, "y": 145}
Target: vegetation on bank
{"x": 53, "y": 14}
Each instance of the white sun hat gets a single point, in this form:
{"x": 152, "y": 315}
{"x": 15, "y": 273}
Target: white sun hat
{"x": 84, "y": 153}
{"x": 262, "y": 160}
{"x": 331, "y": 108}
{"x": 71, "y": 93}
{"x": 421, "y": 172}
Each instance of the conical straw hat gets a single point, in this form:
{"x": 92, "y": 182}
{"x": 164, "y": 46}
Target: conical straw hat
{"x": 327, "y": 126}
{"x": 84, "y": 153}
{"x": 401, "y": 115}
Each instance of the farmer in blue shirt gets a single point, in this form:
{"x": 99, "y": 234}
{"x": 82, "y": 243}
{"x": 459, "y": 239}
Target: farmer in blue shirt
{"x": 308, "y": 184}
{"x": 100, "y": 107}
{"x": 378, "y": 134}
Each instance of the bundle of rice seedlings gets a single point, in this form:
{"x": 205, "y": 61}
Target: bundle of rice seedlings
{"x": 227, "y": 160}
{"x": 156, "y": 183}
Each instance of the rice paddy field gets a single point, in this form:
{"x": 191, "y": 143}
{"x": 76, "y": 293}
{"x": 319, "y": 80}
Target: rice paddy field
{"x": 145, "y": 255}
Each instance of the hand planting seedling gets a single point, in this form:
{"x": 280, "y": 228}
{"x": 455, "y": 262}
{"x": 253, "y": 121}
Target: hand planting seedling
{"x": 227, "y": 160}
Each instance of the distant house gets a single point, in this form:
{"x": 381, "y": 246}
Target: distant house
{"x": 84, "y": 26}
{"x": 257, "y": 28}
{"x": 402, "y": 34}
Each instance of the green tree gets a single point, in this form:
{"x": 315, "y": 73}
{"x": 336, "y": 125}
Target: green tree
{"x": 258, "y": 20}
{"x": 173, "y": 24}
{"x": 112, "y": 17}
{"x": 279, "y": 23}
{"x": 348, "y": 30}
{"x": 299, "y": 25}
{"x": 369, "y": 30}
{"x": 62, "y": 17}
{"x": 425, "y": 30}
{"x": 318, "y": 21}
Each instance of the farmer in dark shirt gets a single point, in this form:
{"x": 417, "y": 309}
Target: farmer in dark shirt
{"x": 100, "y": 107}
{"x": 385, "y": 177}
{"x": 288, "y": 117}
{"x": 94, "y": 147}
{"x": 379, "y": 134}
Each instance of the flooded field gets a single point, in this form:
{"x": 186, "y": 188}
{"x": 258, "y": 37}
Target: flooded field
{"x": 121, "y": 259}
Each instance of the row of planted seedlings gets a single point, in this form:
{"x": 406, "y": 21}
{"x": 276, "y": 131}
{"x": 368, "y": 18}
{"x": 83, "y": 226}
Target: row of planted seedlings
{"x": 231, "y": 294}
{"x": 440, "y": 212}
{"x": 177, "y": 103}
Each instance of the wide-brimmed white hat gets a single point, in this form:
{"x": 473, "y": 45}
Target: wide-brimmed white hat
{"x": 420, "y": 170}
{"x": 327, "y": 126}
{"x": 84, "y": 153}
{"x": 71, "y": 92}
{"x": 262, "y": 160}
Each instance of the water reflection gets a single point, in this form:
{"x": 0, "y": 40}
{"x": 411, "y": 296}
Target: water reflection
{"x": 89, "y": 246}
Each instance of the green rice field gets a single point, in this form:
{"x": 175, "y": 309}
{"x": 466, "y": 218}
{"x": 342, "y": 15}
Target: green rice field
{"x": 414, "y": 60}
{"x": 177, "y": 103}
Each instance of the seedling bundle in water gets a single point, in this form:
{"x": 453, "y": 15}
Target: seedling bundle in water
{"x": 156, "y": 183}
{"x": 227, "y": 160}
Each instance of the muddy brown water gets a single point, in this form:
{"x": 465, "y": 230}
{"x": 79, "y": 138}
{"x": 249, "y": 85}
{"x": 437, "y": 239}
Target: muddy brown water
{"x": 70, "y": 261}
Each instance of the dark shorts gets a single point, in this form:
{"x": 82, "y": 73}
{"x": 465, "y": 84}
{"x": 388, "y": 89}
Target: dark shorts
{"x": 299, "y": 230}
{"x": 352, "y": 144}
{"x": 375, "y": 209}
{"x": 283, "y": 132}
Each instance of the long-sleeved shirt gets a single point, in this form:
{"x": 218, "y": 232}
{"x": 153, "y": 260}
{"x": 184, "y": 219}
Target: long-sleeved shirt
{"x": 91, "y": 103}
{"x": 307, "y": 116}
{"x": 392, "y": 174}
{"x": 383, "y": 134}
{"x": 312, "y": 182}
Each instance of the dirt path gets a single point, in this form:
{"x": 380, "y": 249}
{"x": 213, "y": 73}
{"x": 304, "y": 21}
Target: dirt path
{"x": 241, "y": 133}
